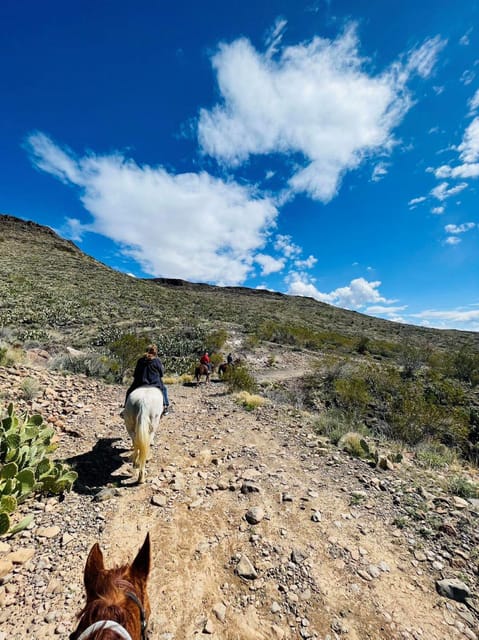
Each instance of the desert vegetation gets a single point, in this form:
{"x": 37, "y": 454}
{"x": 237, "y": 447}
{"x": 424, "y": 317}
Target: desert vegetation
{"x": 407, "y": 384}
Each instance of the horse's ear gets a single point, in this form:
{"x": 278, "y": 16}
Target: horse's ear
{"x": 140, "y": 566}
{"x": 93, "y": 567}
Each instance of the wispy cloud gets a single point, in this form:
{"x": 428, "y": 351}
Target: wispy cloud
{"x": 444, "y": 191}
{"x": 461, "y": 228}
{"x": 189, "y": 225}
{"x": 379, "y": 171}
{"x": 465, "y": 319}
{"x": 415, "y": 201}
{"x": 316, "y": 99}
{"x": 452, "y": 240}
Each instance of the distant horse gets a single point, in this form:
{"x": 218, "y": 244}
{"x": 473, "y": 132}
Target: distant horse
{"x": 117, "y": 604}
{"x": 142, "y": 415}
{"x": 223, "y": 368}
{"x": 203, "y": 370}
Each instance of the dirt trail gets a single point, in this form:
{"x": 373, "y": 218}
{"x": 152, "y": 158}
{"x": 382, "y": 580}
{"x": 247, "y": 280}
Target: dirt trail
{"x": 327, "y": 565}
{"x": 211, "y": 446}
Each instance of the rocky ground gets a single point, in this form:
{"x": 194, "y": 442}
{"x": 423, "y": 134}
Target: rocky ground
{"x": 259, "y": 528}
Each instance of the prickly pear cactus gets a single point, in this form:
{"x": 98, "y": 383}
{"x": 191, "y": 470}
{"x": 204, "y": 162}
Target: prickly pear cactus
{"x": 25, "y": 468}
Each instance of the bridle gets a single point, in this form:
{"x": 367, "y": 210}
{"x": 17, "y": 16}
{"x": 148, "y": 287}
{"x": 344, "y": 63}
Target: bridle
{"x": 116, "y": 626}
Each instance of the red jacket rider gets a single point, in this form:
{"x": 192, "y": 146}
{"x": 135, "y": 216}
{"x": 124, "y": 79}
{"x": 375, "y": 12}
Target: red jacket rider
{"x": 205, "y": 359}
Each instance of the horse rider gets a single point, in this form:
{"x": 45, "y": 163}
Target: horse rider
{"x": 149, "y": 372}
{"x": 229, "y": 359}
{"x": 205, "y": 359}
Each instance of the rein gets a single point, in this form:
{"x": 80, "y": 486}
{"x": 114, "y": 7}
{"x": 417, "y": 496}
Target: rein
{"x": 116, "y": 626}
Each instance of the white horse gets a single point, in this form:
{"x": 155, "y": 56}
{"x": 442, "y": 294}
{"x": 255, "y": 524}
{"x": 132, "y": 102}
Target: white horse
{"x": 142, "y": 415}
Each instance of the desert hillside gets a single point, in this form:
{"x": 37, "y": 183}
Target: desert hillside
{"x": 326, "y": 489}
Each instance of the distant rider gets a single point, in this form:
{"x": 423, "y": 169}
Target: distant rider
{"x": 205, "y": 359}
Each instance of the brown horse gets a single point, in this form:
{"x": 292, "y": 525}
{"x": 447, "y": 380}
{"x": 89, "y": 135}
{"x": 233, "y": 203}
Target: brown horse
{"x": 117, "y": 606}
{"x": 223, "y": 368}
{"x": 203, "y": 370}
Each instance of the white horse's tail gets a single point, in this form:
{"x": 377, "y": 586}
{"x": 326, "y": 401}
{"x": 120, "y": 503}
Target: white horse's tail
{"x": 141, "y": 442}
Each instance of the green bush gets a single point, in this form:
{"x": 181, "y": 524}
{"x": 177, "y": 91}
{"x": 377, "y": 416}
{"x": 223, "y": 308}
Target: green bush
{"x": 464, "y": 365}
{"x": 435, "y": 455}
{"x": 462, "y": 487}
{"x": 215, "y": 340}
{"x": 127, "y": 349}
{"x": 352, "y": 394}
{"x": 238, "y": 378}
{"x": 30, "y": 388}
{"x": 354, "y": 444}
{"x": 91, "y": 364}
{"x": 333, "y": 424}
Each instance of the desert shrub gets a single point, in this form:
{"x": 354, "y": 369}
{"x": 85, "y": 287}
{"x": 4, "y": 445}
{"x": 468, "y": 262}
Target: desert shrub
{"x": 362, "y": 345}
{"x": 10, "y": 355}
{"x": 215, "y": 340}
{"x": 238, "y": 378}
{"x": 411, "y": 358}
{"x": 216, "y": 359}
{"x": 90, "y": 364}
{"x": 300, "y": 336}
{"x": 435, "y": 455}
{"x": 462, "y": 487}
{"x": 354, "y": 444}
{"x": 30, "y": 388}
{"x": 249, "y": 401}
{"x": 333, "y": 424}
{"x": 464, "y": 365}
{"x": 352, "y": 394}
{"x": 5, "y": 361}
{"x": 127, "y": 349}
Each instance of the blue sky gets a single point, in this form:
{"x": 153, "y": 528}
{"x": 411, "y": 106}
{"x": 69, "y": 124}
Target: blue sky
{"x": 327, "y": 148}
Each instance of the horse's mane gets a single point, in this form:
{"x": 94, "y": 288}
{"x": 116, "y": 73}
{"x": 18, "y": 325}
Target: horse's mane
{"x": 111, "y": 602}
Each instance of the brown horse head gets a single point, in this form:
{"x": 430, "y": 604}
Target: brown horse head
{"x": 116, "y": 598}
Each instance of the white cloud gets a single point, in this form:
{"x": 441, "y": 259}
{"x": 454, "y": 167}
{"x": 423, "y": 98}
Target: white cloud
{"x": 423, "y": 58}
{"x": 474, "y": 101}
{"x": 438, "y": 210}
{"x": 269, "y": 264}
{"x": 412, "y": 203}
{"x": 286, "y": 246}
{"x": 461, "y": 228}
{"x": 190, "y": 226}
{"x": 387, "y": 311}
{"x": 469, "y": 147}
{"x": 275, "y": 36}
{"x": 357, "y": 294}
{"x": 468, "y": 76}
{"x": 73, "y": 229}
{"x": 307, "y": 263}
{"x": 379, "y": 171}
{"x": 464, "y": 40}
{"x": 452, "y": 240}
{"x": 316, "y": 100}
{"x": 443, "y": 191}
{"x": 465, "y": 319}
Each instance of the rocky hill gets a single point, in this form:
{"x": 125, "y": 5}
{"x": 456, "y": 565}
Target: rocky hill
{"x": 262, "y": 527}
{"x": 52, "y": 292}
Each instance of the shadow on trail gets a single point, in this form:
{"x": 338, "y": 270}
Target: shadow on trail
{"x": 95, "y": 467}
